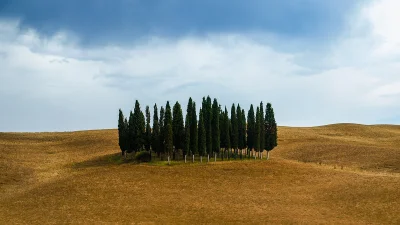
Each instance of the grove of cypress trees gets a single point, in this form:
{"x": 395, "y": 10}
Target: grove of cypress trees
{"x": 193, "y": 130}
{"x": 271, "y": 129}
{"x": 234, "y": 129}
{"x": 148, "y": 130}
{"x": 202, "y": 134}
{"x": 251, "y": 123}
{"x": 178, "y": 128}
{"x": 215, "y": 127}
{"x": 156, "y": 132}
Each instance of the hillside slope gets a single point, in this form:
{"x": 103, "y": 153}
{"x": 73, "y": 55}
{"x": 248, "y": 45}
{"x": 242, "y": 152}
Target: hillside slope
{"x": 375, "y": 147}
{"x": 70, "y": 177}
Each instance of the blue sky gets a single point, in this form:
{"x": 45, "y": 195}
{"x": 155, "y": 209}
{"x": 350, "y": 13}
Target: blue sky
{"x": 317, "y": 62}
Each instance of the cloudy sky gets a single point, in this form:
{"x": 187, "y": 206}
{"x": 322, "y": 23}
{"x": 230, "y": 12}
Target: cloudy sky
{"x": 70, "y": 65}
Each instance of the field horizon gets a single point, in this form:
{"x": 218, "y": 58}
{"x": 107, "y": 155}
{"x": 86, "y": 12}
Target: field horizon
{"x": 338, "y": 173}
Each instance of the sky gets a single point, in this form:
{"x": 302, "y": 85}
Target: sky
{"x": 70, "y": 65}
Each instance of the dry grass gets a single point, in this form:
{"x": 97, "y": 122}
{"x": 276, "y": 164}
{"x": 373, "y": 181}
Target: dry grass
{"x": 74, "y": 178}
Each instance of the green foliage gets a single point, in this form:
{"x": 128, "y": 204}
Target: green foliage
{"x": 244, "y": 129}
{"x": 168, "y": 133}
{"x": 168, "y": 139}
{"x": 186, "y": 147}
{"x": 147, "y": 144}
{"x": 143, "y": 156}
{"x": 262, "y": 127}
{"x": 271, "y": 129}
{"x": 227, "y": 133}
{"x": 178, "y": 127}
{"x": 215, "y": 127}
{"x": 193, "y": 130}
{"x": 162, "y": 130}
{"x": 122, "y": 132}
{"x": 207, "y": 123}
{"x": 240, "y": 126}
{"x": 202, "y": 135}
{"x": 251, "y": 123}
{"x": 234, "y": 128}
{"x": 155, "y": 143}
{"x": 257, "y": 130}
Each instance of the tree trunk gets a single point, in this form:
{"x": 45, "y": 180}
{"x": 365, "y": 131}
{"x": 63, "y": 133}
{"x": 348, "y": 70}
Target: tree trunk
{"x": 267, "y": 155}
{"x": 185, "y": 158}
{"x": 201, "y": 159}
{"x": 208, "y": 158}
{"x": 215, "y": 157}
{"x": 193, "y": 158}
{"x": 168, "y": 160}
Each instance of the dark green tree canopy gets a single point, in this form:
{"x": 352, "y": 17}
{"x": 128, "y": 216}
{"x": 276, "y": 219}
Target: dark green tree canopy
{"x": 178, "y": 127}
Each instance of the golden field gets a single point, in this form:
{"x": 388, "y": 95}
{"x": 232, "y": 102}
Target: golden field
{"x": 335, "y": 174}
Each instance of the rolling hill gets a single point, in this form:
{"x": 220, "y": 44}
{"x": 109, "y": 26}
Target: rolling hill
{"x": 340, "y": 173}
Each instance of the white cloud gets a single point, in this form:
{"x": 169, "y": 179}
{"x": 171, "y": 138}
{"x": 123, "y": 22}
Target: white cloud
{"x": 52, "y": 83}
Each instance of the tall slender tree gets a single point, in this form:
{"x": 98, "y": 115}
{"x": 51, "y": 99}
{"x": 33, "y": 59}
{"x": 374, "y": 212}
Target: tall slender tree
{"x": 131, "y": 133}
{"x": 215, "y": 127}
{"x": 207, "y": 122}
{"x": 186, "y": 147}
{"x": 155, "y": 143}
{"x": 148, "y": 130}
{"x": 193, "y": 130}
{"x": 271, "y": 129}
{"x": 262, "y": 128}
{"x": 244, "y": 125}
{"x": 234, "y": 129}
{"x": 168, "y": 138}
{"x": 178, "y": 128}
{"x": 227, "y": 138}
{"x": 257, "y": 131}
{"x": 201, "y": 134}
{"x": 121, "y": 132}
{"x": 251, "y": 123}
{"x": 240, "y": 129}
{"x": 162, "y": 131}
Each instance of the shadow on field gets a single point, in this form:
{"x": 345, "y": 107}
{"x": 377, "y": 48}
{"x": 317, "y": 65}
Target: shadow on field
{"x": 106, "y": 160}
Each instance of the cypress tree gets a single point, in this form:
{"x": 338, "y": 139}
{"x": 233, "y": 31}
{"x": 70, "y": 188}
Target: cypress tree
{"x": 131, "y": 133}
{"x": 156, "y": 132}
{"x": 215, "y": 127}
{"x": 251, "y": 123}
{"x": 178, "y": 128}
{"x": 257, "y": 131}
{"x": 234, "y": 129}
{"x": 244, "y": 125}
{"x": 202, "y": 134}
{"x": 186, "y": 147}
{"x": 168, "y": 133}
{"x": 227, "y": 131}
{"x": 262, "y": 128}
{"x": 222, "y": 128}
{"x": 148, "y": 130}
{"x": 271, "y": 129}
{"x": 138, "y": 127}
{"x": 126, "y": 134}
{"x": 121, "y": 132}
{"x": 162, "y": 131}
{"x": 208, "y": 114}
{"x": 240, "y": 128}
{"x": 193, "y": 130}
{"x": 168, "y": 138}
